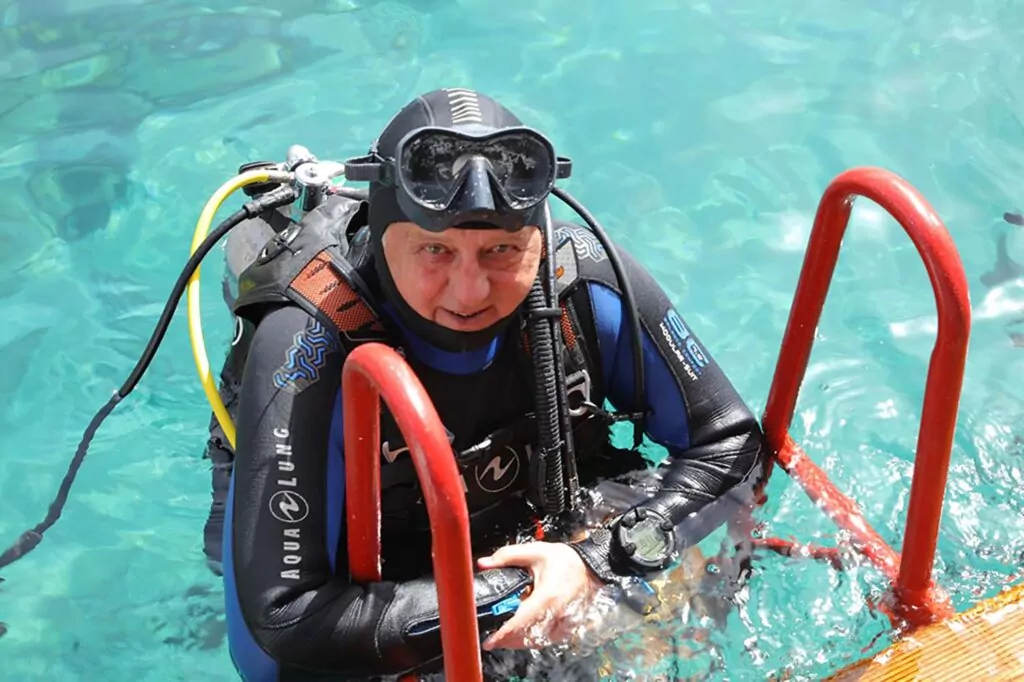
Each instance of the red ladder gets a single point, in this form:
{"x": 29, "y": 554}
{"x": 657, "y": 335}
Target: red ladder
{"x": 916, "y": 599}
{"x": 370, "y": 372}
{"x": 374, "y": 370}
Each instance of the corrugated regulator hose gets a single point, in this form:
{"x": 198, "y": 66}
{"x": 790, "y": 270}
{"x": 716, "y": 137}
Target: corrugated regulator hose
{"x": 547, "y": 468}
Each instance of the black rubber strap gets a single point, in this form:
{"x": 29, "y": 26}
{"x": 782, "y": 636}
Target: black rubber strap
{"x": 595, "y": 551}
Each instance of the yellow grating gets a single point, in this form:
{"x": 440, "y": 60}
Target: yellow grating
{"x": 984, "y": 643}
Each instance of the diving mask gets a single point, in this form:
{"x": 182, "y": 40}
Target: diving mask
{"x": 449, "y": 177}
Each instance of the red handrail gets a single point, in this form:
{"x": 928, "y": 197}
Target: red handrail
{"x": 370, "y": 372}
{"x": 918, "y": 600}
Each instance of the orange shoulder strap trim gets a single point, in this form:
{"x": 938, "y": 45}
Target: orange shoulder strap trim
{"x": 329, "y": 291}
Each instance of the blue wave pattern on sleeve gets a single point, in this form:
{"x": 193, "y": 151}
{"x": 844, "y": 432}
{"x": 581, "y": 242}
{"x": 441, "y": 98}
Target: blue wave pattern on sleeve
{"x": 305, "y": 358}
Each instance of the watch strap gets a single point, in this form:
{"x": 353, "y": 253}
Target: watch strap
{"x": 595, "y": 551}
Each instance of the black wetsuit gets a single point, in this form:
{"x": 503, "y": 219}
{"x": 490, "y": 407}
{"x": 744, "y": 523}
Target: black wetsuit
{"x": 292, "y": 611}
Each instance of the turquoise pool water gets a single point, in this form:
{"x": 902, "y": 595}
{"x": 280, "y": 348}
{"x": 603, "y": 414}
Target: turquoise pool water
{"x": 702, "y": 133}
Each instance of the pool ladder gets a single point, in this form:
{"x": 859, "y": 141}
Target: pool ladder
{"x": 373, "y": 372}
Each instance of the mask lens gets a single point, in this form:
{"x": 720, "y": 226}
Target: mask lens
{"x": 521, "y": 163}
{"x": 432, "y": 165}
{"x": 427, "y": 168}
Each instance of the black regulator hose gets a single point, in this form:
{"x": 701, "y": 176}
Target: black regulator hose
{"x": 640, "y": 412}
{"x": 555, "y": 465}
{"x": 547, "y": 468}
{"x": 32, "y": 537}
{"x": 569, "y": 477}
{"x": 553, "y": 471}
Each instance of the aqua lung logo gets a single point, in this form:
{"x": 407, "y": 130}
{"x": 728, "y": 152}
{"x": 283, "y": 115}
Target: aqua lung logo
{"x": 686, "y": 349}
{"x": 500, "y": 472}
{"x": 288, "y": 506}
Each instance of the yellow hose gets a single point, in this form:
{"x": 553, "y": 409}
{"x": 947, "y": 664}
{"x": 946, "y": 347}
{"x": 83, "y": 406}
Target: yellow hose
{"x": 195, "y": 325}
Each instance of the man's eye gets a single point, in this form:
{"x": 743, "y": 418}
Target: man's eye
{"x": 435, "y": 249}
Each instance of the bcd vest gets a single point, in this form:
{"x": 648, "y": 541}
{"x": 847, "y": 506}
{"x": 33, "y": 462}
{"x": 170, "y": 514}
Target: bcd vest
{"x": 487, "y": 414}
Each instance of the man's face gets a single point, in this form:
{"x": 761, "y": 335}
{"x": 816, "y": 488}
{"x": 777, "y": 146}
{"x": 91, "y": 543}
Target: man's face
{"x": 462, "y": 279}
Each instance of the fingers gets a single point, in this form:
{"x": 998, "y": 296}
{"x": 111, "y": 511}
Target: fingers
{"x": 512, "y": 555}
{"x": 555, "y": 597}
{"x": 527, "y": 628}
{"x": 536, "y": 630}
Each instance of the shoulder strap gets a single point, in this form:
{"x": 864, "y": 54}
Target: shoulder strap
{"x": 583, "y": 377}
{"x": 581, "y": 258}
{"x": 308, "y": 265}
{"x": 330, "y": 285}
{"x": 590, "y": 262}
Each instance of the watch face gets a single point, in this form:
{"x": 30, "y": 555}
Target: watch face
{"x": 651, "y": 542}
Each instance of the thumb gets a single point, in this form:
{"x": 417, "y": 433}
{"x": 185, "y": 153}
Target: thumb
{"x": 510, "y": 555}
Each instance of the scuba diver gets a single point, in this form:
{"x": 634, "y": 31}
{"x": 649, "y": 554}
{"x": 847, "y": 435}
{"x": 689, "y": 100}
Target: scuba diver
{"x": 523, "y": 330}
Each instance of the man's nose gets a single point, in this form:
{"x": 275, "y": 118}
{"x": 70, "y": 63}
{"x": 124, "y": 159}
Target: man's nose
{"x": 469, "y": 284}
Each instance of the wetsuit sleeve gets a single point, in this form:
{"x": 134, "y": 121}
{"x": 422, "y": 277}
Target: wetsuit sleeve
{"x": 301, "y": 614}
{"x": 713, "y": 439}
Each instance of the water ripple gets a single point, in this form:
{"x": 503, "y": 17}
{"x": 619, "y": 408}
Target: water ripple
{"x": 702, "y": 136}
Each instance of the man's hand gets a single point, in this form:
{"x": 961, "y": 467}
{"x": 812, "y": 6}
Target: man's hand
{"x": 562, "y": 590}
